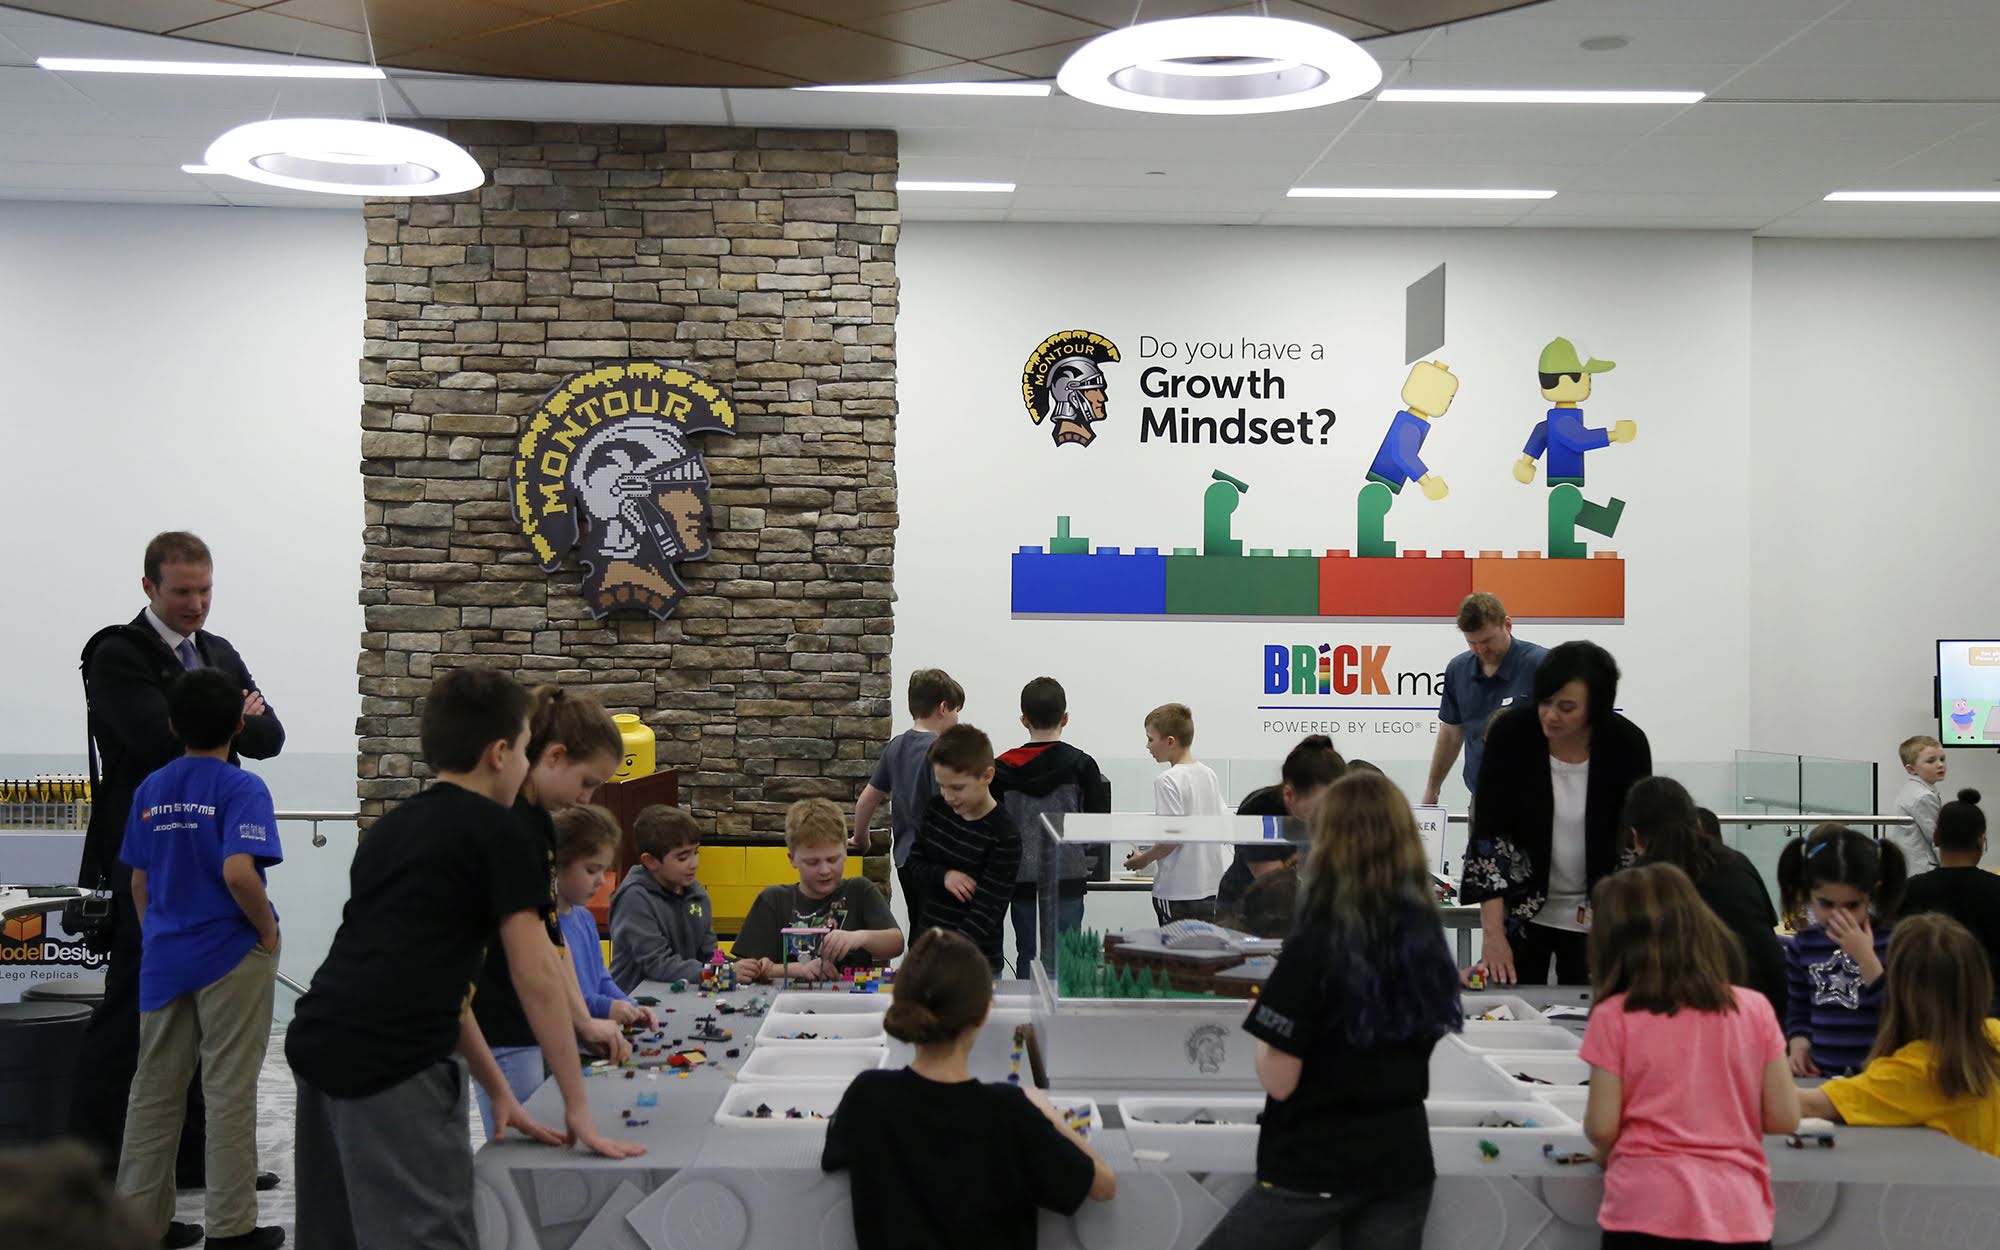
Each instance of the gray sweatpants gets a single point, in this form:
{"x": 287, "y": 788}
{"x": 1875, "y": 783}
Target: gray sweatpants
{"x": 388, "y": 1171}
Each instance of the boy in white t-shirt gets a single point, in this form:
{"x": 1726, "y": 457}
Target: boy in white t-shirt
{"x": 1185, "y": 885}
{"x": 1923, "y": 759}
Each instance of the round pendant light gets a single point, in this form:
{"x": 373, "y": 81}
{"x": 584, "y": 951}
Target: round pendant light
{"x": 344, "y": 157}
{"x": 1219, "y": 65}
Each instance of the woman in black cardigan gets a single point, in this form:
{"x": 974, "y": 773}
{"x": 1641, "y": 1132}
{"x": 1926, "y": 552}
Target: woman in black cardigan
{"x": 1545, "y": 820}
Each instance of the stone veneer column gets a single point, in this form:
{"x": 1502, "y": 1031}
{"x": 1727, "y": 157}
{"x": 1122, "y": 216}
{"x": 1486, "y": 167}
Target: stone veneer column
{"x": 766, "y": 258}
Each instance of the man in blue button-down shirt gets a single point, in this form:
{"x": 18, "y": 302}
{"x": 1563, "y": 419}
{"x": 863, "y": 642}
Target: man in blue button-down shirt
{"x": 1496, "y": 671}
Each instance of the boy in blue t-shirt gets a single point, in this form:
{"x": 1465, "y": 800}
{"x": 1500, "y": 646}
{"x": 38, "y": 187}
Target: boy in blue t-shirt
{"x": 201, "y": 834}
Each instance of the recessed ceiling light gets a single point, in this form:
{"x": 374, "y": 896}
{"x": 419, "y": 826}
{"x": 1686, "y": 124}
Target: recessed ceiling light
{"x": 206, "y": 69}
{"x": 1416, "y": 193}
{"x": 1446, "y": 95}
{"x": 1604, "y": 43}
{"x": 344, "y": 157}
{"x": 1916, "y": 197}
{"x": 1219, "y": 65}
{"x": 988, "y": 188}
{"x": 941, "y": 88}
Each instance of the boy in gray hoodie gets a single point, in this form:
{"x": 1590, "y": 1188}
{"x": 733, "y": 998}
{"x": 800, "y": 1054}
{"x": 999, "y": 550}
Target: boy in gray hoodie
{"x": 662, "y": 923}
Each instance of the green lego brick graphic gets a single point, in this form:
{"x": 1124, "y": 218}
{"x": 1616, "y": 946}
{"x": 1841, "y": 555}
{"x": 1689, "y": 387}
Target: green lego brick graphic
{"x": 1235, "y": 586}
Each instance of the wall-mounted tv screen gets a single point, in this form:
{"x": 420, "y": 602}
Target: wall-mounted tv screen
{"x": 1968, "y": 691}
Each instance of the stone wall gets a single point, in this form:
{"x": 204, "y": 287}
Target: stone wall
{"x": 767, "y": 260}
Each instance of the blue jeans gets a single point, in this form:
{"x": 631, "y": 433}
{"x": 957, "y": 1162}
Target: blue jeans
{"x": 1027, "y": 931}
{"x": 522, "y": 1066}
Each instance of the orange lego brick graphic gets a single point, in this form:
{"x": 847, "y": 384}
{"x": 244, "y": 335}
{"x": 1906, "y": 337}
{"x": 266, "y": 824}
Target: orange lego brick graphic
{"x": 22, "y": 928}
{"x": 1413, "y": 584}
{"x": 1541, "y": 589}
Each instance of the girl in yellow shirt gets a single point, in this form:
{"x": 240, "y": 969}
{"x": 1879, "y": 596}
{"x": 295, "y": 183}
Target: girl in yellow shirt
{"x": 1936, "y": 1060}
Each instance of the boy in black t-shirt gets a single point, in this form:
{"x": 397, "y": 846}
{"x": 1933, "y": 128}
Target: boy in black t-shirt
{"x": 381, "y": 1042}
{"x": 1044, "y": 777}
{"x": 969, "y": 852}
{"x": 863, "y": 932}
{"x": 1959, "y": 887}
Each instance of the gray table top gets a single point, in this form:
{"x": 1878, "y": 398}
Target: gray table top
{"x": 681, "y": 1131}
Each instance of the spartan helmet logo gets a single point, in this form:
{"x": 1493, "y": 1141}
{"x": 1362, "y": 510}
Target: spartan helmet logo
{"x": 1064, "y": 384}
{"x": 608, "y": 464}
{"x": 645, "y": 490}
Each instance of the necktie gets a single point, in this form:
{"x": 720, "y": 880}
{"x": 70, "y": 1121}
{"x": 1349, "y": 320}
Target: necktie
{"x": 189, "y": 660}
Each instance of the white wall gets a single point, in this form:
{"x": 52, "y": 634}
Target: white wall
{"x": 978, "y": 479}
{"x": 183, "y": 368}
{"x": 1875, "y": 450}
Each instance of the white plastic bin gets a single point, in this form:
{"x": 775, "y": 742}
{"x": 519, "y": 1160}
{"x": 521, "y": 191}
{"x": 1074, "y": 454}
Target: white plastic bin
{"x": 807, "y": 1097}
{"x": 1459, "y": 1073}
{"x": 829, "y": 1029}
{"x": 820, "y": 1002}
{"x": 1496, "y": 1037}
{"x": 1544, "y": 1069}
{"x": 835, "y": 1063}
{"x": 1477, "y": 1004}
{"x": 1169, "y": 1123}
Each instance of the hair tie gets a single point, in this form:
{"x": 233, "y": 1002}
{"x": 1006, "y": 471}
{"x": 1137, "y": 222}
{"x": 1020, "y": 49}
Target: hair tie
{"x": 1814, "y": 848}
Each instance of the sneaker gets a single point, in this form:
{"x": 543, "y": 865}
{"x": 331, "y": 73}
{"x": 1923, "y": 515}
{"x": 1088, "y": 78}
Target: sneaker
{"x": 179, "y": 1236}
{"x": 266, "y": 1181}
{"x": 269, "y": 1237}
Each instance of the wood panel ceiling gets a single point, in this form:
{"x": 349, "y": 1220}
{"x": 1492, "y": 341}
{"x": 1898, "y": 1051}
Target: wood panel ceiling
{"x": 715, "y": 43}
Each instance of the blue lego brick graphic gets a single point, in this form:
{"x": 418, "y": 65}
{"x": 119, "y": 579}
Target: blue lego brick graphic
{"x": 1104, "y": 584}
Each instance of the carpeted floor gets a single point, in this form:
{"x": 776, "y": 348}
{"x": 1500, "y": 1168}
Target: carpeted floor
{"x": 276, "y": 1096}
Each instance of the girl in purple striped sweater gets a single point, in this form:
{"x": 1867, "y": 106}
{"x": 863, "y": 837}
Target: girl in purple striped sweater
{"x": 1848, "y": 886}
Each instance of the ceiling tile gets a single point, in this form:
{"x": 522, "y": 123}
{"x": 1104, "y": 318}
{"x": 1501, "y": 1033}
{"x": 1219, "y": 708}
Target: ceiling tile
{"x": 107, "y": 195}
{"x": 137, "y": 97}
{"x": 957, "y": 71}
{"x": 1590, "y": 128}
{"x": 1040, "y": 63}
{"x": 1201, "y": 134}
{"x": 1912, "y": 123}
{"x": 1409, "y": 14}
{"x": 1217, "y": 175}
{"x": 289, "y": 36}
{"x": 610, "y": 57}
{"x": 1524, "y": 39}
{"x": 978, "y": 30}
{"x": 1163, "y": 200}
{"x": 1942, "y": 80}
{"x": 411, "y": 25}
{"x": 1131, "y": 217}
{"x": 1903, "y": 41}
{"x": 579, "y": 102}
{"x": 962, "y": 143}
{"x": 1662, "y": 206}
{"x": 154, "y": 15}
{"x": 840, "y": 108}
{"x": 1451, "y": 151}
{"x": 1300, "y": 147}
{"x": 852, "y": 12}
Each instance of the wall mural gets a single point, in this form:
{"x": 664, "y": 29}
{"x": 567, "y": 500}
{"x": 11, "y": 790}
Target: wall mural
{"x": 1067, "y": 577}
{"x": 608, "y": 464}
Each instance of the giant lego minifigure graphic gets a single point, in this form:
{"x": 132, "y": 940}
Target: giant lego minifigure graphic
{"x": 1565, "y": 438}
{"x": 1427, "y": 395}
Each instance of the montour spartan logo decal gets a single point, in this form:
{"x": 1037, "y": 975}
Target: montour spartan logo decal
{"x": 1064, "y": 384}
{"x": 608, "y": 462}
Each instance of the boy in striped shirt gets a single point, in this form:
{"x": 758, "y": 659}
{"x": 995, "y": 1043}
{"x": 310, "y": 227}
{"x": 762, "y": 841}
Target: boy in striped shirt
{"x": 969, "y": 850}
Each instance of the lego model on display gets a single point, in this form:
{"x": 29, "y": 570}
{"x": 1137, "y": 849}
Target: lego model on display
{"x": 607, "y": 463}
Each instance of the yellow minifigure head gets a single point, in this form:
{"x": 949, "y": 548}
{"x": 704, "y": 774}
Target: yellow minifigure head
{"x": 1430, "y": 388}
{"x": 1565, "y": 378}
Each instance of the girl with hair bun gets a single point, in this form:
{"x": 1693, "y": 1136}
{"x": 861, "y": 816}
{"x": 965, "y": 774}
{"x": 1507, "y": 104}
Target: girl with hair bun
{"x": 1958, "y": 887}
{"x": 1849, "y": 887}
{"x": 937, "y": 1158}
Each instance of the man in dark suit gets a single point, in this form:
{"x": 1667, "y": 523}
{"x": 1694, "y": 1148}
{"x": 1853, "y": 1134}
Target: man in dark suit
{"x": 126, "y": 672}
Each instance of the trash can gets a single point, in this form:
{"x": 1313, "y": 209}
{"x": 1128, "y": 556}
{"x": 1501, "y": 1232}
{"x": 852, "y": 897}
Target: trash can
{"x": 38, "y": 1045}
{"x": 86, "y": 990}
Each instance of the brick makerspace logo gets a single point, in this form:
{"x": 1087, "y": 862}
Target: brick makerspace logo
{"x": 1343, "y": 668}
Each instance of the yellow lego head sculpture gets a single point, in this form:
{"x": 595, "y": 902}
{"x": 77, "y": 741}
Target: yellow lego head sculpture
{"x": 1566, "y": 378}
{"x": 1430, "y": 389}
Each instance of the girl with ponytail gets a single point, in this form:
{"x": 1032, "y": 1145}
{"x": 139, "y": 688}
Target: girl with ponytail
{"x": 937, "y": 1158}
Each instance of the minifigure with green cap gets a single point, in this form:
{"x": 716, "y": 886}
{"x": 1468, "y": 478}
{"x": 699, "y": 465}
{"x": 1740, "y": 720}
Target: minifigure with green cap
{"x": 1563, "y": 435}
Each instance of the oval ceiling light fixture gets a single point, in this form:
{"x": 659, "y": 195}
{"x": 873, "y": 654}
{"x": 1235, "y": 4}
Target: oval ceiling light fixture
{"x": 1219, "y": 65}
{"x": 344, "y": 157}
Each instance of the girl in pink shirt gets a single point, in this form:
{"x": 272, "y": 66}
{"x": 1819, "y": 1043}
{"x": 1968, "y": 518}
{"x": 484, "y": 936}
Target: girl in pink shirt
{"x": 1687, "y": 1071}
